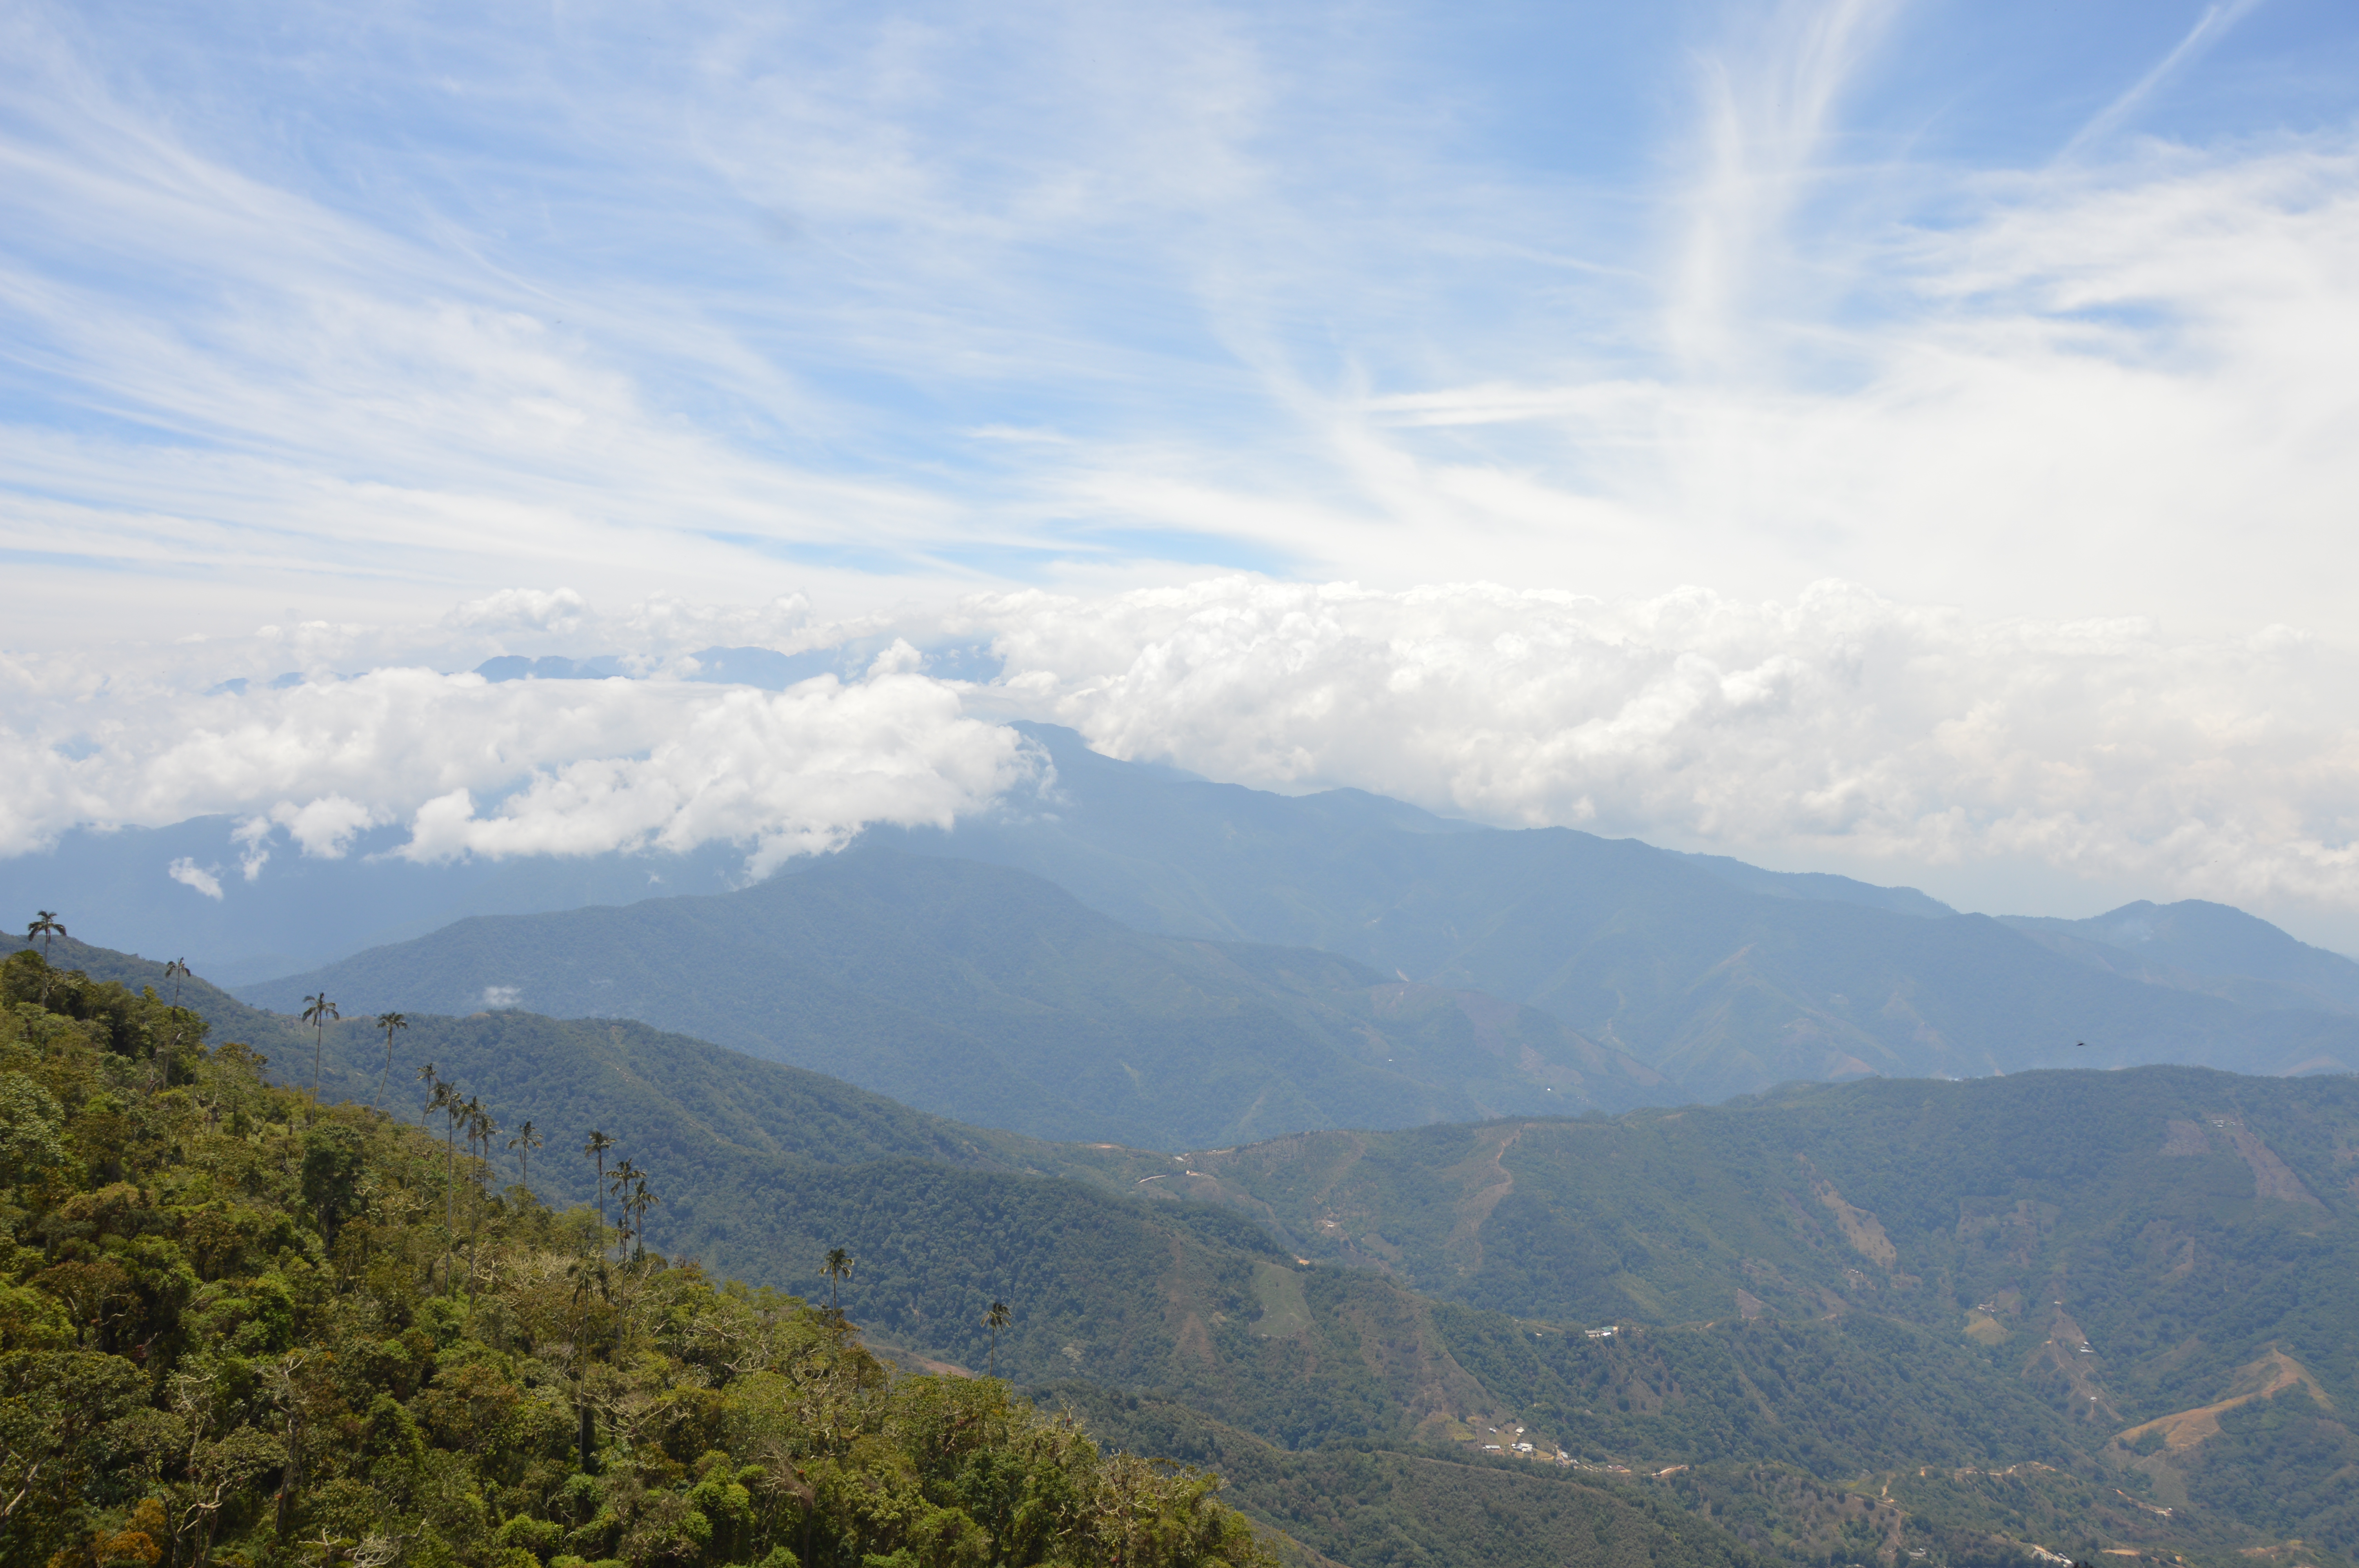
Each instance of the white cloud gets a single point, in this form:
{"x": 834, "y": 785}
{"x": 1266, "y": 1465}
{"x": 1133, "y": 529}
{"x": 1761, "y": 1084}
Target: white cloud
{"x": 1294, "y": 291}
{"x": 1835, "y": 728}
{"x": 323, "y": 826}
{"x": 1270, "y": 305}
{"x": 522, "y": 609}
{"x": 502, "y": 996}
{"x": 254, "y": 833}
{"x": 187, "y": 873}
{"x": 1836, "y": 723}
{"x": 515, "y": 768}
{"x": 787, "y": 774}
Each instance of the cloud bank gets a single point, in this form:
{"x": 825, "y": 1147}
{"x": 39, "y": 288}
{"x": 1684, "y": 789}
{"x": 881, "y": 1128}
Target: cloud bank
{"x": 473, "y": 767}
{"x": 1835, "y": 726}
{"x": 1839, "y": 722}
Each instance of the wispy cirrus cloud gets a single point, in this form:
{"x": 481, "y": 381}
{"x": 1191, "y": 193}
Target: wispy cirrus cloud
{"x": 515, "y": 298}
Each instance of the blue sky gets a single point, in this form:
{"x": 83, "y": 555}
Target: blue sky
{"x": 2029, "y": 323}
{"x": 881, "y": 298}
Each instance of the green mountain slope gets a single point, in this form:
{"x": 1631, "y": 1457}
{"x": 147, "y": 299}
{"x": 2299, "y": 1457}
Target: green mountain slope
{"x": 2140, "y": 1197}
{"x": 683, "y": 1100}
{"x": 1843, "y": 1309}
{"x": 988, "y": 994}
{"x": 934, "y": 1243}
{"x": 1376, "y": 1508}
{"x": 1726, "y": 977}
{"x": 239, "y": 1327}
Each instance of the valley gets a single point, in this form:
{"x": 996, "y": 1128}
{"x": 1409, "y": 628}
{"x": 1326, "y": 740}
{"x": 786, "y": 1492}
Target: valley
{"x": 2083, "y": 1310}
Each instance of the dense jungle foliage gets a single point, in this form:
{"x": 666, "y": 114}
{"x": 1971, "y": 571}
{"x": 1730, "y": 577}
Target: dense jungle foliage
{"x": 242, "y": 1327}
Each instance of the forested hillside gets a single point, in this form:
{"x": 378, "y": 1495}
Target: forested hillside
{"x": 240, "y": 1326}
{"x": 1806, "y": 1353}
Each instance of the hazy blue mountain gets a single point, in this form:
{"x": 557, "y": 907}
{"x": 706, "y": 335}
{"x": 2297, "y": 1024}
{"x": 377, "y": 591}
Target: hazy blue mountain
{"x": 1823, "y": 886}
{"x": 1163, "y": 850}
{"x": 982, "y": 992}
{"x": 1722, "y": 977}
{"x": 1725, "y": 977}
{"x": 2196, "y": 945}
{"x": 302, "y": 910}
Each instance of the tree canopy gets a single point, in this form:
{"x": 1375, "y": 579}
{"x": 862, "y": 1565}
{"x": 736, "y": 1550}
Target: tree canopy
{"x": 230, "y": 1332}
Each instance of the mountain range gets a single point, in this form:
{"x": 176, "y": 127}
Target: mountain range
{"x": 1629, "y": 974}
{"x": 1161, "y": 960}
{"x": 979, "y": 991}
{"x": 1462, "y": 1196}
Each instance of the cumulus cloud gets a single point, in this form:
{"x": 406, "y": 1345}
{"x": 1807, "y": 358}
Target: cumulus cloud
{"x": 187, "y": 873}
{"x": 1838, "y": 726}
{"x": 473, "y": 767}
{"x": 522, "y": 609}
{"x": 788, "y": 774}
{"x": 324, "y": 825}
{"x": 1838, "y": 722}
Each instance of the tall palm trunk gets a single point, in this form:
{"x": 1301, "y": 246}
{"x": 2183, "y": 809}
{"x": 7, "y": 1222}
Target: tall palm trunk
{"x": 479, "y": 1130}
{"x": 450, "y": 1191}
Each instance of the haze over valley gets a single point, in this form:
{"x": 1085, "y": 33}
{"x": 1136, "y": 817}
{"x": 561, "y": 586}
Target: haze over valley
{"x": 1197, "y": 786}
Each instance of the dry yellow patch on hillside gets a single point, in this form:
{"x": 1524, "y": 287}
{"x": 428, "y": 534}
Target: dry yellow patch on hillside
{"x": 2271, "y": 1375}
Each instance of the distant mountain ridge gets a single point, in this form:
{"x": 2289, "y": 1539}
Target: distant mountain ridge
{"x": 1719, "y": 977}
{"x": 1726, "y": 978}
{"x": 2208, "y": 947}
{"x": 982, "y": 992}
{"x": 1695, "y": 977}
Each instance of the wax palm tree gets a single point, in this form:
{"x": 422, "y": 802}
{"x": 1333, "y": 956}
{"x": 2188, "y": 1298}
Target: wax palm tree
{"x": 589, "y": 1279}
{"x": 618, "y": 1182}
{"x": 317, "y": 1010}
{"x": 446, "y": 1100}
{"x": 526, "y": 1141}
{"x": 460, "y": 1113}
{"x": 45, "y": 927}
{"x": 175, "y": 971}
{"x": 994, "y": 1320}
{"x": 595, "y": 1146}
{"x": 641, "y": 1201}
{"x": 481, "y": 1131}
{"x": 837, "y": 1266}
{"x": 388, "y": 1022}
